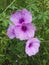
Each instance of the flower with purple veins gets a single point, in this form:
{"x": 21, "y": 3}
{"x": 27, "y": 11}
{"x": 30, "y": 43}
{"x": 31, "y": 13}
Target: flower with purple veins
{"x": 32, "y": 46}
{"x": 10, "y": 31}
{"x": 25, "y": 31}
{"x": 22, "y": 16}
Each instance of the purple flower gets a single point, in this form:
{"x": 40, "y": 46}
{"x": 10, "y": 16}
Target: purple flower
{"x": 22, "y": 16}
{"x": 25, "y": 31}
{"x": 10, "y": 31}
{"x": 32, "y": 46}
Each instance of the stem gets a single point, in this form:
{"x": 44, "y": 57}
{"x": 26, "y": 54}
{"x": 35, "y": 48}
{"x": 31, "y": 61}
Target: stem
{"x": 44, "y": 41}
{"x": 8, "y": 6}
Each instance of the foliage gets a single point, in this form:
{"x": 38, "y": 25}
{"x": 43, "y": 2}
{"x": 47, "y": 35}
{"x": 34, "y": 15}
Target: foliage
{"x": 12, "y": 51}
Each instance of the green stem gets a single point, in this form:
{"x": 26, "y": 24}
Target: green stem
{"x": 8, "y": 6}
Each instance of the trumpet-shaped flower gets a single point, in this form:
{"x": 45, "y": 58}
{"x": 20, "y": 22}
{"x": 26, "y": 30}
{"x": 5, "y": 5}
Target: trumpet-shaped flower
{"x": 32, "y": 46}
{"x": 22, "y": 16}
{"x": 25, "y": 31}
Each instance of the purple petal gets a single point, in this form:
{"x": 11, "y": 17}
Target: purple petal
{"x": 10, "y": 32}
{"x": 25, "y": 31}
{"x": 27, "y": 16}
{"x": 33, "y": 48}
{"x": 22, "y": 16}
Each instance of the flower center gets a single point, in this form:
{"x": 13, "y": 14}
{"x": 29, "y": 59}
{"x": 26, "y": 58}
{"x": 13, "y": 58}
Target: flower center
{"x": 30, "y": 45}
{"x": 21, "y": 20}
{"x": 24, "y": 28}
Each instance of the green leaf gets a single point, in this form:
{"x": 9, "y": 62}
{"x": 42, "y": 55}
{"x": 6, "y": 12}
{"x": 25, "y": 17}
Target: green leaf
{"x": 1, "y": 55}
{"x": 5, "y": 23}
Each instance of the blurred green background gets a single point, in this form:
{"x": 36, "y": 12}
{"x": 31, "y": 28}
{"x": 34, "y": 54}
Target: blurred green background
{"x": 12, "y": 52}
